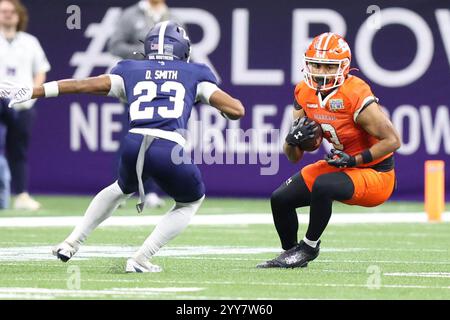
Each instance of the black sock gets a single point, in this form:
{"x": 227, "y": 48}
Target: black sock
{"x": 326, "y": 188}
{"x": 290, "y": 195}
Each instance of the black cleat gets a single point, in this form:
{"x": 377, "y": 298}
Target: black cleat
{"x": 62, "y": 257}
{"x": 64, "y": 251}
{"x": 296, "y": 257}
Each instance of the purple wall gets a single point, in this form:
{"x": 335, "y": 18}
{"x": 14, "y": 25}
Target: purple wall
{"x": 75, "y": 137}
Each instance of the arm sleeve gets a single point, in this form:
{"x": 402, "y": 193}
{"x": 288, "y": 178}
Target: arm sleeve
{"x": 207, "y": 84}
{"x": 205, "y": 90}
{"x": 117, "y": 88}
{"x": 40, "y": 62}
{"x": 117, "y": 83}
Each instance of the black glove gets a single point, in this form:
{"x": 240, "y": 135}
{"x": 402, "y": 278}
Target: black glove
{"x": 300, "y": 131}
{"x": 340, "y": 159}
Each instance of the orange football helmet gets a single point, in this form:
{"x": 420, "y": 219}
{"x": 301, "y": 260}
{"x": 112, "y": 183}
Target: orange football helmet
{"x": 327, "y": 48}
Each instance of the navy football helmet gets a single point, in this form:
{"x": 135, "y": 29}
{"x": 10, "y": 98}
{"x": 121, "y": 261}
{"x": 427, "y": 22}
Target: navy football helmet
{"x": 175, "y": 42}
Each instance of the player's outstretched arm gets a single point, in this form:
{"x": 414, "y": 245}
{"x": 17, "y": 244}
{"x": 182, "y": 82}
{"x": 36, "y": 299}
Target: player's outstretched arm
{"x": 376, "y": 123}
{"x": 101, "y": 85}
{"x": 230, "y": 107}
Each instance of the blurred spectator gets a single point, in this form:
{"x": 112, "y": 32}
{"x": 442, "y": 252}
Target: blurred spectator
{"x": 126, "y": 43}
{"x": 22, "y": 60}
{"x": 134, "y": 25}
{"x": 7, "y": 117}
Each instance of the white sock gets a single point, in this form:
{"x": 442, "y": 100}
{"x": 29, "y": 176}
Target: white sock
{"x": 100, "y": 208}
{"x": 310, "y": 243}
{"x": 171, "y": 225}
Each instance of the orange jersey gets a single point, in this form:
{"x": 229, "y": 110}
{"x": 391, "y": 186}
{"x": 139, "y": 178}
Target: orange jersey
{"x": 337, "y": 113}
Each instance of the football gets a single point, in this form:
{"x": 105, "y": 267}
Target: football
{"x": 313, "y": 143}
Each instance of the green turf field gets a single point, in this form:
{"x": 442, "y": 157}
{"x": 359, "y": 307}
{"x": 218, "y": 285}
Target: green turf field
{"x": 75, "y": 205}
{"x": 357, "y": 261}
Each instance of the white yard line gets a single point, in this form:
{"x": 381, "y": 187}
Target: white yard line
{"x": 220, "y": 219}
{"x": 33, "y": 253}
{"x": 419, "y": 274}
{"x": 38, "y": 253}
{"x": 44, "y": 293}
{"x": 137, "y": 292}
{"x": 43, "y": 253}
{"x": 25, "y": 296}
{"x": 355, "y": 261}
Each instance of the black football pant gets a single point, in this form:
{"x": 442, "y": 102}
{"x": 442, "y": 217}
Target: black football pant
{"x": 17, "y": 142}
{"x": 294, "y": 194}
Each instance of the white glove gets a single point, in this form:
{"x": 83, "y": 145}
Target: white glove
{"x": 15, "y": 93}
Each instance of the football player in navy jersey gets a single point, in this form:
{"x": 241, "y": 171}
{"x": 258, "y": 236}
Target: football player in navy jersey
{"x": 160, "y": 92}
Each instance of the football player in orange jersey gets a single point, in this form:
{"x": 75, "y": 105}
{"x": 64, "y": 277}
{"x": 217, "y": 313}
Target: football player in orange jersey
{"x": 360, "y": 168}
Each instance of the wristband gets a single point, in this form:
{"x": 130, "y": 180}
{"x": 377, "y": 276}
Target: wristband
{"x": 351, "y": 162}
{"x": 366, "y": 156}
{"x": 51, "y": 89}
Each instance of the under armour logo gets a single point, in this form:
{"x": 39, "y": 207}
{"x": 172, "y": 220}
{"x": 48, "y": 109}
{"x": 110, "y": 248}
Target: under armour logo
{"x": 298, "y": 135}
{"x": 288, "y": 181}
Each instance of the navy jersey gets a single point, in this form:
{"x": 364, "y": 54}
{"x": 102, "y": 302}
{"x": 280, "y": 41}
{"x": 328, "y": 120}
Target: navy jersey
{"x": 160, "y": 93}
